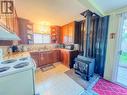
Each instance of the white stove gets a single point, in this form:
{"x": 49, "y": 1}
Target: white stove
{"x": 16, "y": 65}
{"x": 17, "y": 76}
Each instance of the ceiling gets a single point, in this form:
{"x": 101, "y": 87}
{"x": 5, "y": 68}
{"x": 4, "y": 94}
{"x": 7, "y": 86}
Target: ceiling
{"x": 109, "y": 5}
{"x": 55, "y": 12}
{"x": 60, "y": 12}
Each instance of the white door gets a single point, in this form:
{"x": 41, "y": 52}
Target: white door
{"x": 121, "y": 76}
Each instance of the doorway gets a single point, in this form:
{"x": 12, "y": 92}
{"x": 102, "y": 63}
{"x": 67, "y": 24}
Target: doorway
{"x": 121, "y": 76}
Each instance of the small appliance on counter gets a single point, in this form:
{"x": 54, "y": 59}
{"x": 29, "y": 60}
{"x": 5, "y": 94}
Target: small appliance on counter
{"x": 9, "y": 50}
{"x": 14, "y": 48}
{"x": 76, "y": 46}
{"x": 69, "y": 46}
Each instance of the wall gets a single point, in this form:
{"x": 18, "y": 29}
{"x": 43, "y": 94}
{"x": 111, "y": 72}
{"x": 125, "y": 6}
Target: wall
{"x": 40, "y": 46}
{"x": 30, "y": 47}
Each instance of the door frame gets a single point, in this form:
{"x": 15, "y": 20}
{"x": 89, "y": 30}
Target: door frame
{"x": 117, "y": 52}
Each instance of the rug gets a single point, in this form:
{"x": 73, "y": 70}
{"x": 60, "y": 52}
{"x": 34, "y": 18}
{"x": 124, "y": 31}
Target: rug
{"x": 47, "y": 67}
{"x": 85, "y": 84}
{"x": 104, "y": 87}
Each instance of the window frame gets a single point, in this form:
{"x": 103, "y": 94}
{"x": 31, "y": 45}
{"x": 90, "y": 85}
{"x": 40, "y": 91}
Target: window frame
{"x": 42, "y": 38}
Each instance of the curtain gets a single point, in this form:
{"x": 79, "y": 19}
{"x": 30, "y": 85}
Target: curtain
{"x": 101, "y": 45}
{"x": 111, "y": 46}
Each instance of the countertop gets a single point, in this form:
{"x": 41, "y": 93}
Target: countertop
{"x": 67, "y": 50}
{"x": 27, "y": 54}
{"x": 52, "y": 50}
{"x": 16, "y": 55}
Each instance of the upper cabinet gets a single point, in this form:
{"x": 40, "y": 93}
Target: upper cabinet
{"x": 9, "y": 23}
{"x": 71, "y": 31}
{"x": 25, "y": 31}
{"x": 68, "y": 33}
{"x": 55, "y": 34}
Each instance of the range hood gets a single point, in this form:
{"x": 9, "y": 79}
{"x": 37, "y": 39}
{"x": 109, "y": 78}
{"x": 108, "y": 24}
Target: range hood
{"x": 6, "y": 34}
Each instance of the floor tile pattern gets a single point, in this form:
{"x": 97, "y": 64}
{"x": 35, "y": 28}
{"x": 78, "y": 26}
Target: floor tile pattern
{"x": 56, "y": 82}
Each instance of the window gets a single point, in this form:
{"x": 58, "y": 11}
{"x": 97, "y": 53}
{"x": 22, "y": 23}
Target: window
{"x": 42, "y": 38}
{"x": 46, "y": 38}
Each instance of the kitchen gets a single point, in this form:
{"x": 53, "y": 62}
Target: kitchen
{"x": 28, "y": 48}
{"x": 59, "y": 47}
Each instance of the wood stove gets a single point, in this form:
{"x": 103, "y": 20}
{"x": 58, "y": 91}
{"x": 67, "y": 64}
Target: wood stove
{"x": 84, "y": 67}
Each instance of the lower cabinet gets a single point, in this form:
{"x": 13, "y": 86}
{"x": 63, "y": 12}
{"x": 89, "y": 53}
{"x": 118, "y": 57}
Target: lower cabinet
{"x": 46, "y": 57}
{"x": 65, "y": 57}
{"x": 43, "y": 58}
{"x": 56, "y": 56}
{"x": 35, "y": 56}
{"x": 49, "y": 57}
{"x": 68, "y": 57}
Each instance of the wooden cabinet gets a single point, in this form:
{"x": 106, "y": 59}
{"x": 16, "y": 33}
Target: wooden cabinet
{"x": 9, "y": 22}
{"x": 71, "y": 29}
{"x": 25, "y": 31}
{"x": 64, "y": 34}
{"x": 35, "y": 56}
{"x": 68, "y": 56}
{"x": 49, "y": 56}
{"x": 56, "y": 56}
{"x": 46, "y": 57}
{"x": 43, "y": 58}
{"x": 55, "y": 34}
{"x": 65, "y": 57}
{"x": 70, "y": 33}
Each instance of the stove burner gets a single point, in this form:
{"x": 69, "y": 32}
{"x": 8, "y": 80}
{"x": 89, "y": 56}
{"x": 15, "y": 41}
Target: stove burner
{"x": 2, "y": 69}
{"x": 8, "y": 61}
{"x": 21, "y": 65}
